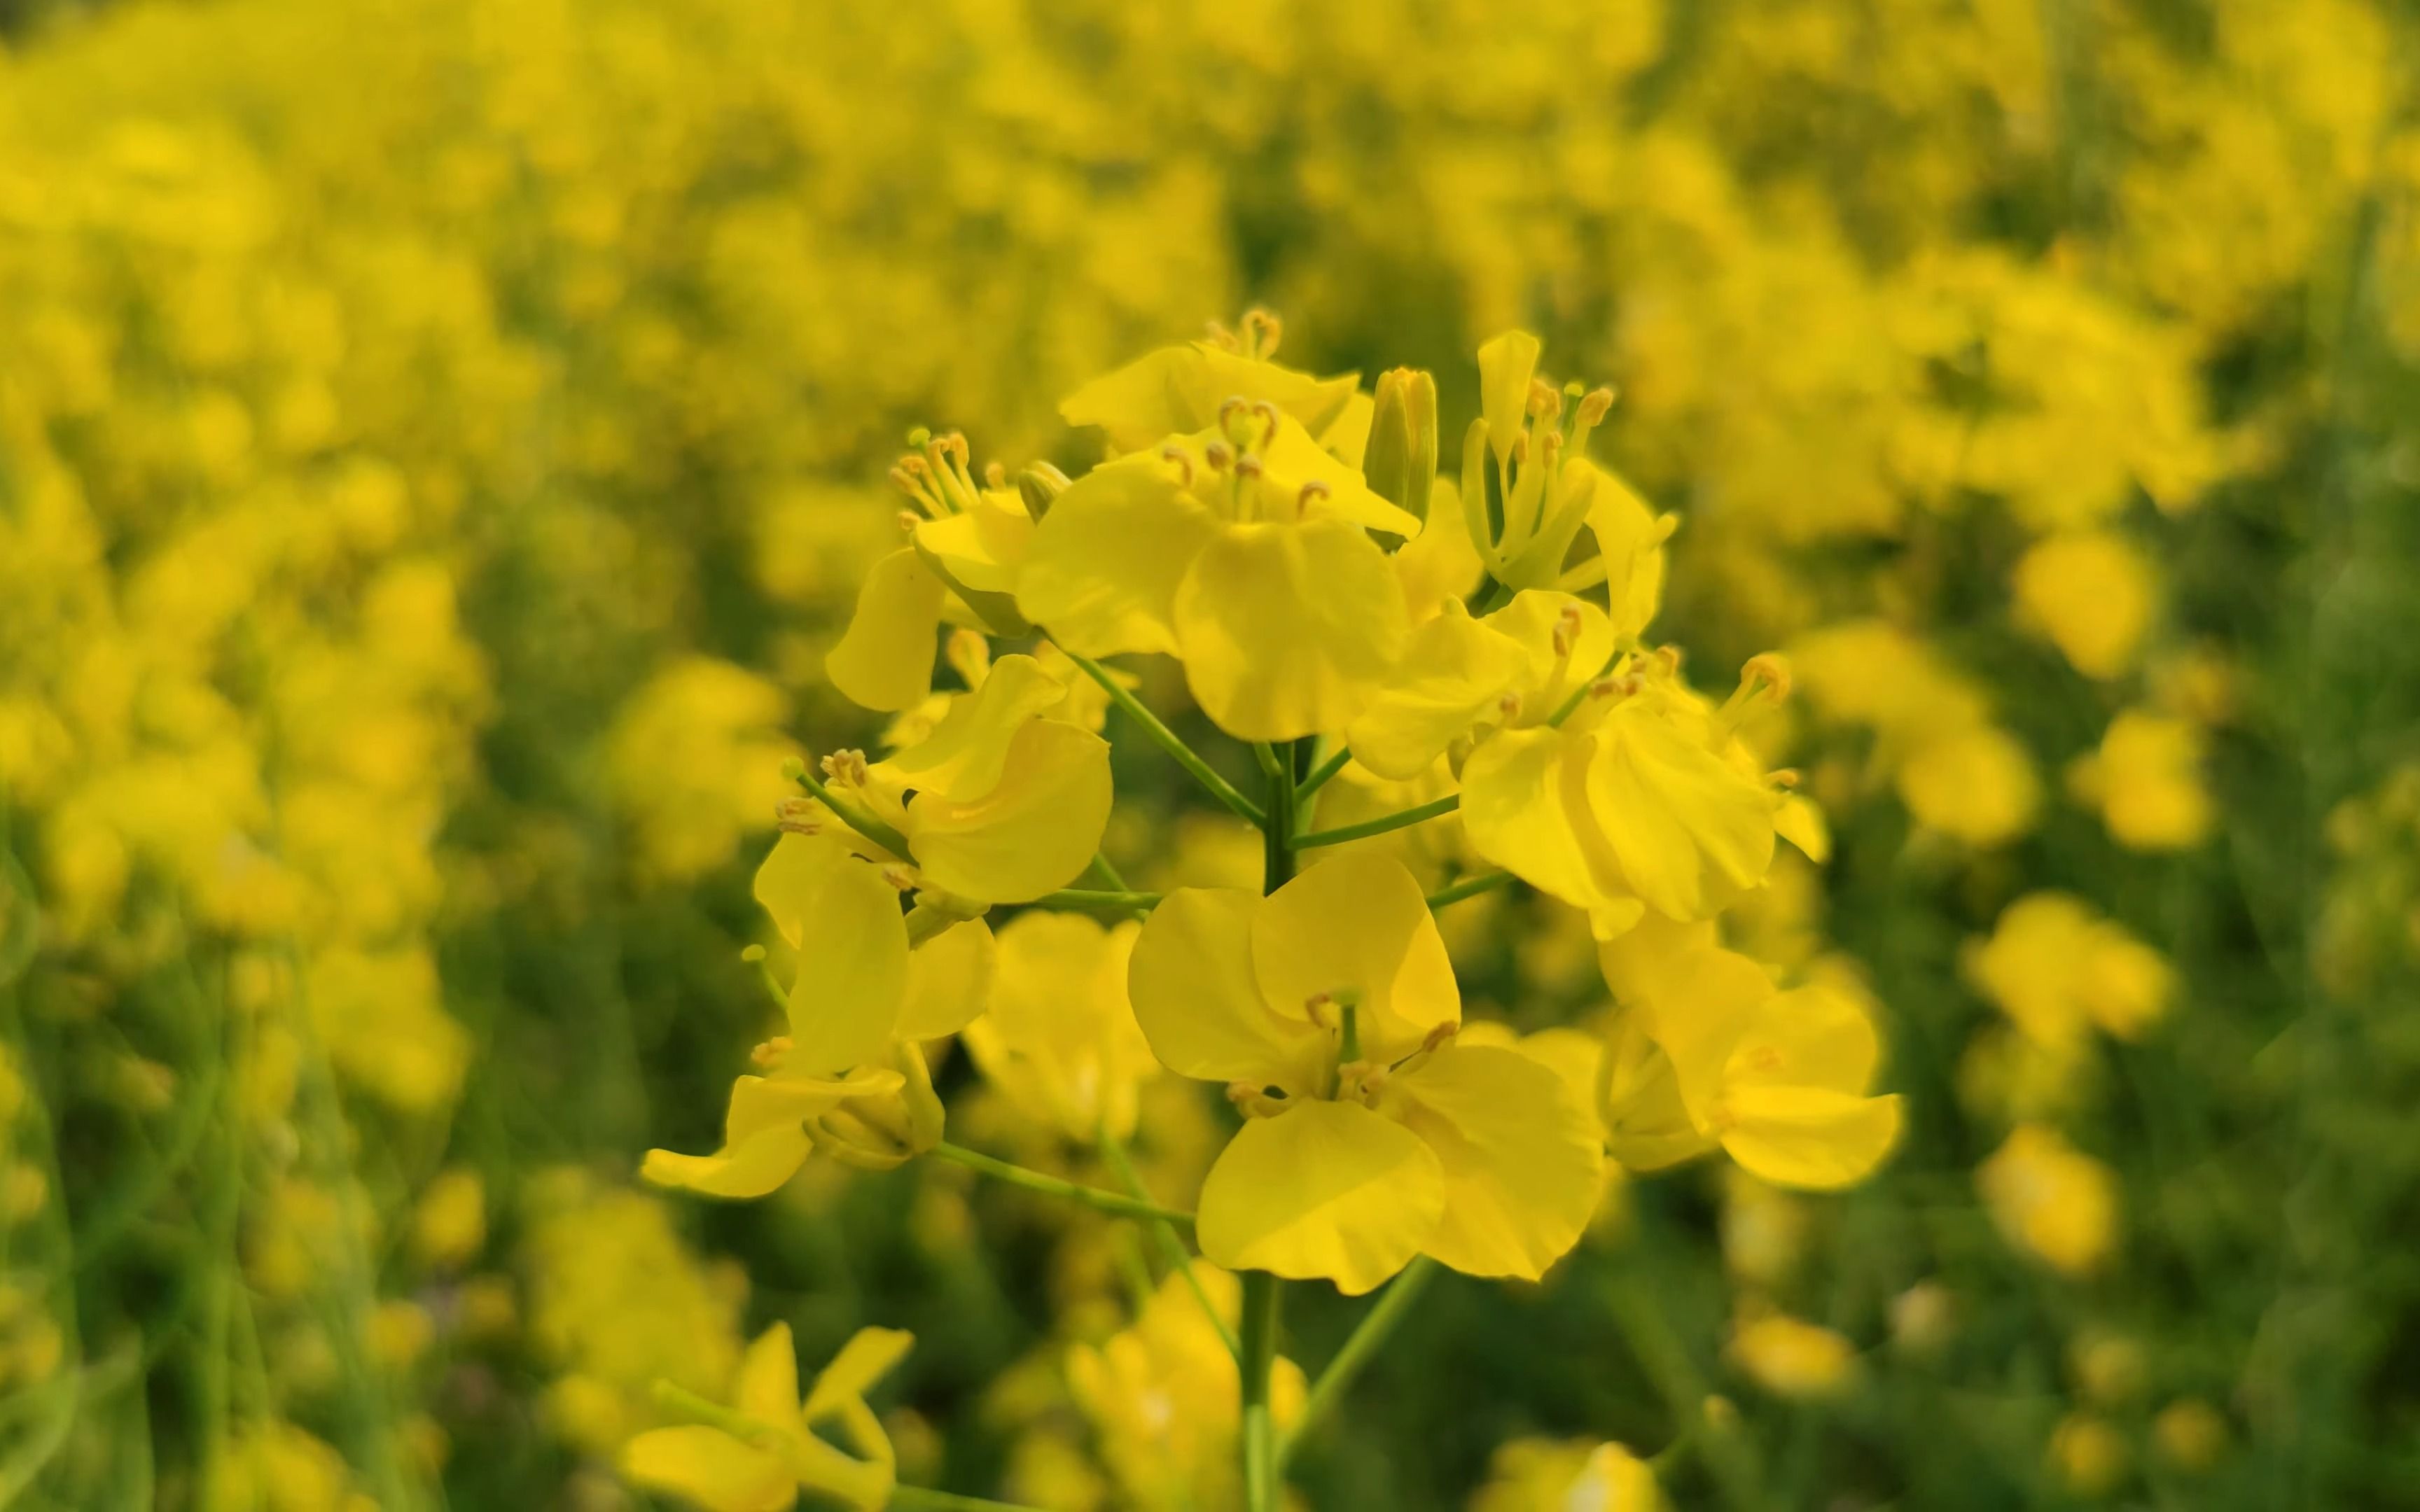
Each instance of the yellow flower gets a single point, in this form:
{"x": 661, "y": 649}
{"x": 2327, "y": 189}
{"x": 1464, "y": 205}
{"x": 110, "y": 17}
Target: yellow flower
{"x": 961, "y": 560}
{"x": 1162, "y": 1395}
{"x": 2190, "y": 1434}
{"x": 1642, "y": 801}
{"x": 2089, "y": 1455}
{"x": 1329, "y": 1009}
{"x": 2053, "y": 1199}
{"x": 2056, "y": 967}
{"x": 2146, "y": 780}
{"x": 1245, "y": 551}
{"x": 1180, "y": 389}
{"x": 1545, "y": 489}
{"x": 769, "y": 1446}
{"x": 1059, "y": 1037}
{"x": 1706, "y": 1050}
{"x": 1971, "y": 782}
{"x": 2091, "y": 594}
{"x": 1000, "y": 803}
{"x": 1791, "y": 1357}
{"x": 1544, "y": 1475}
{"x": 1465, "y": 676}
{"x": 849, "y": 1076}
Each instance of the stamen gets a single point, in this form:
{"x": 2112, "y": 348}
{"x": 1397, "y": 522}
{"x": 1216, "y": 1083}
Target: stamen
{"x": 1262, "y": 332}
{"x": 1567, "y": 631}
{"x": 1784, "y": 778}
{"x": 995, "y": 476}
{"x": 909, "y": 520}
{"x": 798, "y": 816}
{"x": 1184, "y": 464}
{"x": 901, "y": 876}
{"x": 770, "y": 1052}
{"x": 1217, "y": 454}
{"x": 1248, "y": 466}
{"x": 1313, "y": 489}
{"x": 846, "y": 766}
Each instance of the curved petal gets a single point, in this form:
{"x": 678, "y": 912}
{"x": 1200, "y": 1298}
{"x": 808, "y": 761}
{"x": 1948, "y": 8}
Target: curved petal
{"x": 1690, "y": 831}
{"x": 711, "y": 1469}
{"x": 1806, "y": 1137}
{"x": 1440, "y": 562}
{"x": 1646, "y": 1125}
{"x": 769, "y": 1378}
{"x": 1519, "y": 1149}
{"x": 1630, "y": 539}
{"x": 949, "y": 981}
{"x": 1030, "y": 834}
{"x": 852, "y": 960}
{"x": 1323, "y": 1189}
{"x": 1288, "y": 630}
{"x": 1199, "y": 1001}
{"x": 865, "y": 1359}
{"x": 1809, "y": 1037}
{"x": 1506, "y": 364}
{"x": 1358, "y": 922}
{"x": 965, "y": 755}
{"x": 1179, "y": 389}
{"x": 1103, "y": 566}
{"x": 885, "y": 659}
{"x": 982, "y": 548}
{"x": 1514, "y": 810}
{"x": 1702, "y": 1006}
{"x": 763, "y": 1137}
{"x": 1454, "y": 671}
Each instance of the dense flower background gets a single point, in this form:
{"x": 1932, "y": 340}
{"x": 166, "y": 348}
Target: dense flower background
{"x": 441, "y": 442}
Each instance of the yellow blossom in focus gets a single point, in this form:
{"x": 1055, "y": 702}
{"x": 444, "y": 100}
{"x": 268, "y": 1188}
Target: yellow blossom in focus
{"x": 1330, "y": 1010}
{"x": 2052, "y": 1199}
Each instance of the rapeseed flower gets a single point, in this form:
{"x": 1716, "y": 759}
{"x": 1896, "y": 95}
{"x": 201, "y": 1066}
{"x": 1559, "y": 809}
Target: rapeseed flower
{"x": 760, "y": 1454}
{"x": 1330, "y": 1009}
{"x": 2057, "y": 970}
{"x": 1058, "y": 1037}
{"x": 2052, "y": 1198}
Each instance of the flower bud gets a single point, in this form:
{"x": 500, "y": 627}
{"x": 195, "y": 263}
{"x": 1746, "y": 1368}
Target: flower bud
{"x": 1401, "y": 459}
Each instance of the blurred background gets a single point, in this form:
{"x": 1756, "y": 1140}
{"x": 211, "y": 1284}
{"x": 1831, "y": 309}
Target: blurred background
{"x": 439, "y": 437}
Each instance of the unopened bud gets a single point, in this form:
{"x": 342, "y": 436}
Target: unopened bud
{"x": 1039, "y": 486}
{"x": 1402, "y": 457}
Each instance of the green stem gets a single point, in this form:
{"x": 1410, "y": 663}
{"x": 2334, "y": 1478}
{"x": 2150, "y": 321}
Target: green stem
{"x": 1581, "y": 692}
{"x": 1057, "y": 1186}
{"x": 1327, "y": 769}
{"x": 1469, "y": 888}
{"x": 1180, "y": 1260}
{"x": 1107, "y": 871}
{"x": 852, "y": 815}
{"x": 1169, "y": 741}
{"x": 1263, "y": 1461}
{"x": 1088, "y": 898}
{"x": 1730, "y": 1460}
{"x": 1367, "y": 1337}
{"x": 1401, "y": 819}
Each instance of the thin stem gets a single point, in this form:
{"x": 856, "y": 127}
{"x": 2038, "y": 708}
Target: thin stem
{"x": 1327, "y": 769}
{"x": 1168, "y": 740}
{"x": 851, "y": 814}
{"x": 1106, "y": 871}
{"x": 1578, "y": 694}
{"x": 1180, "y": 1260}
{"x": 1271, "y": 767}
{"x": 1058, "y": 1187}
{"x": 1469, "y": 888}
{"x": 1087, "y": 898}
{"x": 1364, "y": 1342}
{"x": 1401, "y": 819}
{"x": 1262, "y": 1462}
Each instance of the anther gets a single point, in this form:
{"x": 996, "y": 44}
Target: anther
{"x": 798, "y": 816}
{"x": 846, "y": 766}
{"x": 1217, "y": 454}
{"x": 1315, "y": 1008}
{"x": 1184, "y": 464}
{"x": 1228, "y": 407}
{"x": 1248, "y": 466}
{"x": 1770, "y": 669}
{"x": 771, "y": 1051}
{"x": 1508, "y": 707}
{"x": 1595, "y": 407}
{"x": 1545, "y": 401}
{"x": 1784, "y": 778}
{"x": 1567, "y": 629}
{"x": 995, "y": 476}
{"x": 900, "y": 876}
{"x": 1268, "y": 412}
{"x": 1313, "y": 489}
{"x": 910, "y": 519}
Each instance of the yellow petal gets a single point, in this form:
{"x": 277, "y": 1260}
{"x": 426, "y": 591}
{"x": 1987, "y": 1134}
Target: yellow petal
{"x": 1288, "y": 630}
{"x": 1290, "y": 459}
{"x": 1359, "y": 923}
{"x": 1179, "y": 389}
{"x": 1646, "y": 1125}
{"x": 852, "y": 960}
{"x": 763, "y": 1139}
{"x": 967, "y": 753}
{"x": 982, "y": 548}
{"x": 1706, "y": 1003}
{"x": 1439, "y": 562}
{"x": 1548, "y": 679}
{"x": 1576, "y": 1055}
{"x": 1522, "y": 1161}
{"x": 1506, "y": 364}
{"x": 1801, "y": 822}
{"x": 1806, "y": 1137}
{"x": 949, "y": 979}
{"x": 711, "y": 1469}
{"x": 885, "y": 660}
{"x": 865, "y": 1359}
{"x": 769, "y": 1378}
{"x": 1199, "y": 1001}
{"x": 1103, "y": 567}
{"x": 1691, "y": 831}
{"x": 1032, "y": 833}
{"x": 1454, "y": 674}
{"x": 1809, "y": 1037}
{"x": 1322, "y": 1190}
{"x": 1630, "y": 542}
{"x": 1523, "y": 803}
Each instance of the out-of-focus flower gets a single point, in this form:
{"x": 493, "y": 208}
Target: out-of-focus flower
{"x": 1792, "y": 1357}
{"x": 2091, "y": 594}
{"x": 1059, "y": 1037}
{"x": 2052, "y": 1199}
{"x": 2089, "y": 1455}
{"x": 1552, "y": 1476}
{"x": 2058, "y": 969}
{"x": 2146, "y": 782}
